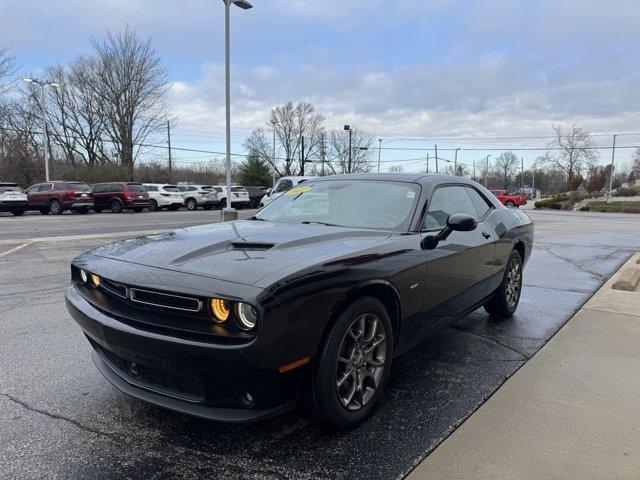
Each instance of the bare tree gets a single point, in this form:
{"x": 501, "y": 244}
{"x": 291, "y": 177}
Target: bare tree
{"x": 7, "y": 69}
{"x": 361, "y": 153}
{"x": 396, "y": 169}
{"x": 298, "y": 128}
{"x": 22, "y": 152}
{"x": 506, "y": 168}
{"x": 634, "y": 174}
{"x": 572, "y": 151}
{"x": 130, "y": 83}
{"x": 596, "y": 178}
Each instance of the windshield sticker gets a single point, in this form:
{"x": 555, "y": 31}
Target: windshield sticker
{"x": 411, "y": 194}
{"x": 298, "y": 190}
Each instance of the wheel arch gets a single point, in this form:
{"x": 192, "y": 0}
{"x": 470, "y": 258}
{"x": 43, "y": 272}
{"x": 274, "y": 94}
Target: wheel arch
{"x": 520, "y": 248}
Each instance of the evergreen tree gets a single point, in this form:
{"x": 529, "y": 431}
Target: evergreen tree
{"x": 255, "y": 172}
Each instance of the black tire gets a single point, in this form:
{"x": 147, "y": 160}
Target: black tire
{"x": 44, "y": 211}
{"x": 55, "y": 207}
{"x": 509, "y": 204}
{"x": 207, "y": 207}
{"x": 502, "y": 304}
{"x": 97, "y": 210}
{"x": 153, "y": 205}
{"x": 137, "y": 209}
{"x": 18, "y": 212}
{"x": 325, "y": 394}
{"x": 116, "y": 206}
{"x": 173, "y": 208}
{"x": 191, "y": 204}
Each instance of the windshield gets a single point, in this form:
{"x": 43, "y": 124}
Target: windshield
{"x": 79, "y": 186}
{"x": 346, "y": 203}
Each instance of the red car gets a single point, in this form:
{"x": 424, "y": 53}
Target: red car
{"x": 509, "y": 200}
{"x": 117, "y": 196}
{"x": 57, "y": 196}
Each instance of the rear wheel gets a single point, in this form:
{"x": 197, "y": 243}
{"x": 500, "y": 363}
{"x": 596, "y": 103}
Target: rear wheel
{"x": 509, "y": 204}
{"x": 353, "y": 365}
{"x": 116, "y": 206}
{"x": 506, "y": 299}
{"x": 153, "y": 205}
{"x": 18, "y": 212}
{"x": 55, "y": 207}
{"x": 191, "y": 204}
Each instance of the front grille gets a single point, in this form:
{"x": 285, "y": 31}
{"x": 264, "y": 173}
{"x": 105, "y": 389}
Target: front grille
{"x": 165, "y": 300}
{"x": 171, "y": 383}
{"x": 113, "y": 287}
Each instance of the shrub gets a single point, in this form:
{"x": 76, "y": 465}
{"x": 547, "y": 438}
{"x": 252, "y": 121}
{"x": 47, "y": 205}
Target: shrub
{"x": 627, "y": 192}
{"x": 585, "y": 208}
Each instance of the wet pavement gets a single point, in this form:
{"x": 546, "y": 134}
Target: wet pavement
{"x": 59, "y": 417}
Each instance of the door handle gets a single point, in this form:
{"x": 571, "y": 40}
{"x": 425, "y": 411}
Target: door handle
{"x": 486, "y": 234}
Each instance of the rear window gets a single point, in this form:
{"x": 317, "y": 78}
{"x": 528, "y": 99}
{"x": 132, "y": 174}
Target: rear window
{"x": 10, "y": 188}
{"x": 238, "y": 189}
{"x": 135, "y": 187}
{"x": 170, "y": 188}
{"x": 78, "y": 186}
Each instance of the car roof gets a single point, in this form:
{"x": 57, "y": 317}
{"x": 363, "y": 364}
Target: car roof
{"x": 425, "y": 179}
{"x": 8, "y": 184}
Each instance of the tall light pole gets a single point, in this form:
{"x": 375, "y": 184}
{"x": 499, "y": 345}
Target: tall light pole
{"x": 455, "y": 163}
{"x": 229, "y": 213}
{"x": 379, "y": 152}
{"x": 43, "y": 112}
{"x": 486, "y": 175}
{"x": 347, "y": 128}
{"x": 613, "y": 156}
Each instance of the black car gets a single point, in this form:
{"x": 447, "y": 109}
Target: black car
{"x": 255, "y": 195}
{"x": 315, "y": 294}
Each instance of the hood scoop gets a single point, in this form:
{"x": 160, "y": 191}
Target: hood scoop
{"x": 251, "y": 246}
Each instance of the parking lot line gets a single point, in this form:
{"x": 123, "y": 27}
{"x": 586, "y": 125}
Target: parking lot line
{"x": 64, "y": 238}
{"x": 15, "y": 249}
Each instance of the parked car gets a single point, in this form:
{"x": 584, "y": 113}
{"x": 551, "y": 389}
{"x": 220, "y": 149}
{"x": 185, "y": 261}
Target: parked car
{"x": 509, "y": 200}
{"x": 162, "y": 195}
{"x": 12, "y": 198}
{"x": 57, "y": 196}
{"x": 118, "y": 196}
{"x": 307, "y": 296}
{"x": 195, "y": 196}
{"x": 283, "y": 185}
{"x": 256, "y": 194}
{"x": 239, "y": 196}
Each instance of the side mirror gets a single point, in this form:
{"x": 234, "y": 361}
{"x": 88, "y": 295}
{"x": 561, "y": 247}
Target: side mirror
{"x": 458, "y": 222}
{"x": 268, "y": 191}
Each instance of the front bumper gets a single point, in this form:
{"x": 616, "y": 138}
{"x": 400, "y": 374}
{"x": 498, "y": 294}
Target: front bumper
{"x": 189, "y": 376}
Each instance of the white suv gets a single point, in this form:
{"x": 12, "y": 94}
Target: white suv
{"x": 163, "y": 195}
{"x": 199, "y": 196}
{"x": 283, "y": 185}
{"x": 239, "y": 196}
{"x": 12, "y": 199}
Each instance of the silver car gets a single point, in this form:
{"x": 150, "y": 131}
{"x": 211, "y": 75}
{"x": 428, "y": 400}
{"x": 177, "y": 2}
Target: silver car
{"x": 12, "y": 199}
{"x": 199, "y": 196}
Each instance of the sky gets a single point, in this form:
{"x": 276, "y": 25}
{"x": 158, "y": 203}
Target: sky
{"x": 460, "y": 74}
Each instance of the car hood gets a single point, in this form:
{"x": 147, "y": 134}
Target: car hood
{"x": 244, "y": 251}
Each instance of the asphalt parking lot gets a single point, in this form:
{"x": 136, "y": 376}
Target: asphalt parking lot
{"x": 59, "y": 417}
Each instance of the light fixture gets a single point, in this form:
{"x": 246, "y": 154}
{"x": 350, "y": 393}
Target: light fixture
{"x": 247, "y": 316}
{"x": 95, "y": 280}
{"x": 84, "y": 278}
{"x": 219, "y": 310}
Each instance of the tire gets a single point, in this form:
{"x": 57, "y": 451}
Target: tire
{"x": 505, "y": 300}
{"x": 153, "y": 205}
{"x": 18, "y": 213}
{"x": 55, "y": 207}
{"x": 137, "y": 209}
{"x": 97, "y": 210}
{"x": 173, "y": 208}
{"x": 191, "y": 204}
{"x": 116, "y": 206}
{"x": 326, "y": 398}
{"x": 509, "y": 204}
{"x": 207, "y": 207}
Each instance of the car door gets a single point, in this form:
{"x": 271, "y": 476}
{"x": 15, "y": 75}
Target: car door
{"x": 40, "y": 196}
{"x": 459, "y": 268}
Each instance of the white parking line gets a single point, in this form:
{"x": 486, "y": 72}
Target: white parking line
{"x": 15, "y": 249}
{"x": 65, "y": 238}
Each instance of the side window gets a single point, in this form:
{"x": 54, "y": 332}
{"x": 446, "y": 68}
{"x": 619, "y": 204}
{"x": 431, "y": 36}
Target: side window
{"x": 97, "y": 188}
{"x": 151, "y": 188}
{"x": 283, "y": 186}
{"x": 446, "y": 201}
{"x": 33, "y": 189}
{"x": 482, "y": 206}
{"x": 45, "y": 187}
{"x": 116, "y": 187}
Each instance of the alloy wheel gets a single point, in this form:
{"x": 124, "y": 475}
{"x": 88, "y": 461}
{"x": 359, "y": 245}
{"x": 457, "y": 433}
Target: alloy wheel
{"x": 514, "y": 277}
{"x": 191, "y": 204}
{"x": 361, "y": 361}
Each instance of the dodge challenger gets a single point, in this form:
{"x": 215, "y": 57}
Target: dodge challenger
{"x": 311, "y": 298}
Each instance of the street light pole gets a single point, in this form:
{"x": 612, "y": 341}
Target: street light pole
{"x": 486, "y": 175}
{"x": 613, "y": 156}
{"x": 455, "y": 163}
{"x": 379, "y": 152}
{"x": 348, "y": 129}
{"x": 43, "y": 112}
{"x": 227, "y": 14}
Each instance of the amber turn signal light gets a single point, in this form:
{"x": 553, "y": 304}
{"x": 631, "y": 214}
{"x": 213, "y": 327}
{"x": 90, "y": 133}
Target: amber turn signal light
{"x": 219, "y": 309}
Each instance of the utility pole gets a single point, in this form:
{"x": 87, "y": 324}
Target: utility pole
{"x": 302, "y": 157}
{"x": 169, "y": 142}
{"x": 379, "y": 152}
{"x": 522, "y": 176}
{"x": 486, "y": 176}
{"x": 455, "y": 163}
{"x": 533, "y": 181}
{"x": 322, "y": 156}
{"x": 474, "y": 170}
{"x": 427, "y": 163}
{"x": 613, "y": 156}
{"x": 348, "y": 129}
{"x": 436, "y": 149}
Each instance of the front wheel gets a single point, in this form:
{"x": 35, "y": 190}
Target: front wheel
{"x": 55, "y": 207}
{"x": 505, "y": 301}
{"x": 353, "y": 365}
{"x": 116, "y": 206}
{"x": 509, "y": 204}
{"x": 191, "y": 204}
{"x": 153, "y": 205}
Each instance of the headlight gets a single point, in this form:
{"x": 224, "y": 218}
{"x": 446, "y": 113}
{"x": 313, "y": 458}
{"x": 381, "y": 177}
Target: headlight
{"x": 84, "y": 278}
{"x": 219, "y": 309}
{"x": 95, "y": 280}
{"x": 247, "y": 316}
